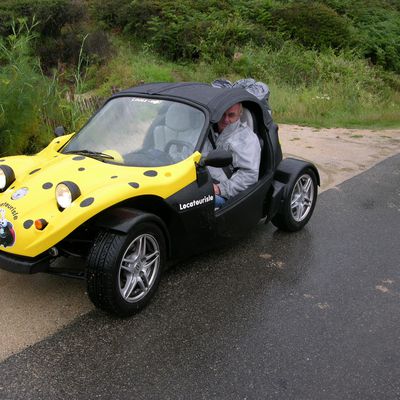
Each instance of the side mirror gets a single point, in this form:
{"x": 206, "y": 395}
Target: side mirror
{"x": 217, "y": 158}
{"x": 59, "y": 131}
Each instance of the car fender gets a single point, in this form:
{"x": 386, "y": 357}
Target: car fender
{"x": 284, "y": 178}
{"x": 123, "y": 219}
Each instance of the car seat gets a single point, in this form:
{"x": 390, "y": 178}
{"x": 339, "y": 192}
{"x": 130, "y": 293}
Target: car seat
{"x": 247, "y": 118}
{"x": 182, "y": 124}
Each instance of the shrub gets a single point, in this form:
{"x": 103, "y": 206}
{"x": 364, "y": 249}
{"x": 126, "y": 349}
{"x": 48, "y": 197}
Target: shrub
{"x": 378, "y": 25}
{"x": 111, "y": 13}
{"x": 20, "y": 92}
{"x": 190, "y": 29}
{"x": 380, "y": 34}
{"x": 58, "y": 27}
{"x": 52, "y": 15}
{"x": 314, "y": 25}
{"x": 31, "y": 105}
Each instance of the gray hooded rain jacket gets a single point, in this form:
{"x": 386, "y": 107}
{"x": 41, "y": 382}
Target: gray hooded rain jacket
{"x": 246, "y": 151}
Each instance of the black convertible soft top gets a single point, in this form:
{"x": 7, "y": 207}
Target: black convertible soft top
{"x": 215, "y": 100}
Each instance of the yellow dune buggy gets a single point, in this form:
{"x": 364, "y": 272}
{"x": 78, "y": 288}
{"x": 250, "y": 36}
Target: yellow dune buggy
{"x": 131, "y": 192}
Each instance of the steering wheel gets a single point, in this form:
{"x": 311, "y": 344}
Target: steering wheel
{"x": 180, "y": 144}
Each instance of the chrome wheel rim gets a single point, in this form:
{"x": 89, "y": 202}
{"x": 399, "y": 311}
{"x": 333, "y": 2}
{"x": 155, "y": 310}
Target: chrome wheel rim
{"x": 302, "y": 198}
{"x": 139, "y": 268}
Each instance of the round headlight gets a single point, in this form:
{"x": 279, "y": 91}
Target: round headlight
{"x": 66, "y": 193}
{"x": 7, "y": 177}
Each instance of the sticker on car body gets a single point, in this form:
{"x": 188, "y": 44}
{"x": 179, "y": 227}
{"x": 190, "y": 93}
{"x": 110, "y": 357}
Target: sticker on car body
{"x": 20, "y": 193}
{"x": 7, "y": 233}
{"x": 194, "y": 203}
{"x": 143, "y": 100}
{"x": 12, "y": 209}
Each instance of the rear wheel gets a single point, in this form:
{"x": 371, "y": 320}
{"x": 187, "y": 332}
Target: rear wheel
{"x": 299, "y": 205}
{"x": 123, "y": 271}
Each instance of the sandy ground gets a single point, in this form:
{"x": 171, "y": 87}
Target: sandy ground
{"x": 339, "y": 153}
{"x": 33, "y": 307}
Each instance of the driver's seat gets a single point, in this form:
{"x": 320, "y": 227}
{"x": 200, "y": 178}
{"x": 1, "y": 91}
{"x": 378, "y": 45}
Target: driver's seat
{"x": 180, "y": 126}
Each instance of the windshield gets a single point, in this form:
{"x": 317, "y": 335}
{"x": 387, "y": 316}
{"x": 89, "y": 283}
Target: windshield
{"x": 140, "y": 132}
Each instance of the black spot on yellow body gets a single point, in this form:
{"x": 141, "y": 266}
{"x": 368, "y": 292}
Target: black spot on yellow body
{"x": 87, "y": 202}
{"x": 151, "y": 173}
{"x": 28, "y": 223}
{"x": 47, "y": 185}
{"x": 134, "y": 185}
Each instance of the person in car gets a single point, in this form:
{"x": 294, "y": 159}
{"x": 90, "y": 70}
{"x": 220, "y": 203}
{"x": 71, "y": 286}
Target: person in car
{"x": 234, "y": 135}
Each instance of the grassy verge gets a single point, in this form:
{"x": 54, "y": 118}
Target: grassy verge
{"x": 307, "y": 87}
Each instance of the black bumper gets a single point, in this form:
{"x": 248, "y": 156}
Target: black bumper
{"x": 24, "y": 265}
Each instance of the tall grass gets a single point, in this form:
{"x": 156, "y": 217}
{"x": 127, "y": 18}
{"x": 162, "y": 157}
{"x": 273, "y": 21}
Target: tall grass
{"x": 31, "y": 104}
{"x": 322, "y": 88}
{"x": 21, "y": 85}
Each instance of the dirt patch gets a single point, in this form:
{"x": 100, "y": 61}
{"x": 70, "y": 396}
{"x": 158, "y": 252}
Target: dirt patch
{"x": 33, "y": 307}
{"x": 338, "y": 153}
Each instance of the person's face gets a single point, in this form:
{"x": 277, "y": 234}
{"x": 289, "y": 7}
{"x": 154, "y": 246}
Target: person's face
{"x": 230, "y": 116}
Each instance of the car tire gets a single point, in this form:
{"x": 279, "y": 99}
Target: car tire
{"x": 298, "y": 206}
{"x": 123, "y": 271}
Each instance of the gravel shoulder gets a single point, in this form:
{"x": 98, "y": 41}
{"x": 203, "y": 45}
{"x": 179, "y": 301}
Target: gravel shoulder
{"x": 34, "y": 307}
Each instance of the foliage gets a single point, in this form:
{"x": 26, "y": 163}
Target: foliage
{"x": 335, "y": 70}
{"x": 60, "y": 28}
{"x": 378, "y": 29}
{"x": 314, "y": 25}
{"x": 307, "y": 86}
{"x": 193, "y": 30}
{"x": 51, "y": 15}
{"x": 31, "y": 104}
{"x": 21, "y": 84}
{"x": 189, "y": 29}
{"x": 380, "y": 33}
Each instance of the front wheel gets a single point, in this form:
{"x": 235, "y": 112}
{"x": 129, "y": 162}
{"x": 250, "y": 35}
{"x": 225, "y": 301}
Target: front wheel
{"x": 123, "y": 271}
{"x": 299, "y": 205}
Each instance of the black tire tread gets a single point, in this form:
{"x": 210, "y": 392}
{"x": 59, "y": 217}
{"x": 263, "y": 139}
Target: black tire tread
{"x": 98, "y": 276}
{"x": 101, "y": 265}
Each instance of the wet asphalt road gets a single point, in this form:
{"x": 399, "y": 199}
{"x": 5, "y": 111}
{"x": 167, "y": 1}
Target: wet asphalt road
{"x": 311, "y": 315}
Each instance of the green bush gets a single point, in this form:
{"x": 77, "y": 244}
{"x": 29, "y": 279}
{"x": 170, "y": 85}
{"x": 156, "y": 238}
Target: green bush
{"x": 314, "y": 25}
{"x": 193, "y": 30}
{"x": 189, "y": 29}
{"x": 20, "y": 89}
{"x": 182, "y": 31}
{"x": 111, "y": 13}
{"x": 31, "y": 104}
{"x": 378, "y": 28}
{"x": 58, "y": 25}
{"x": 52, "y": 15}
{"x": 380, "y": 37}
